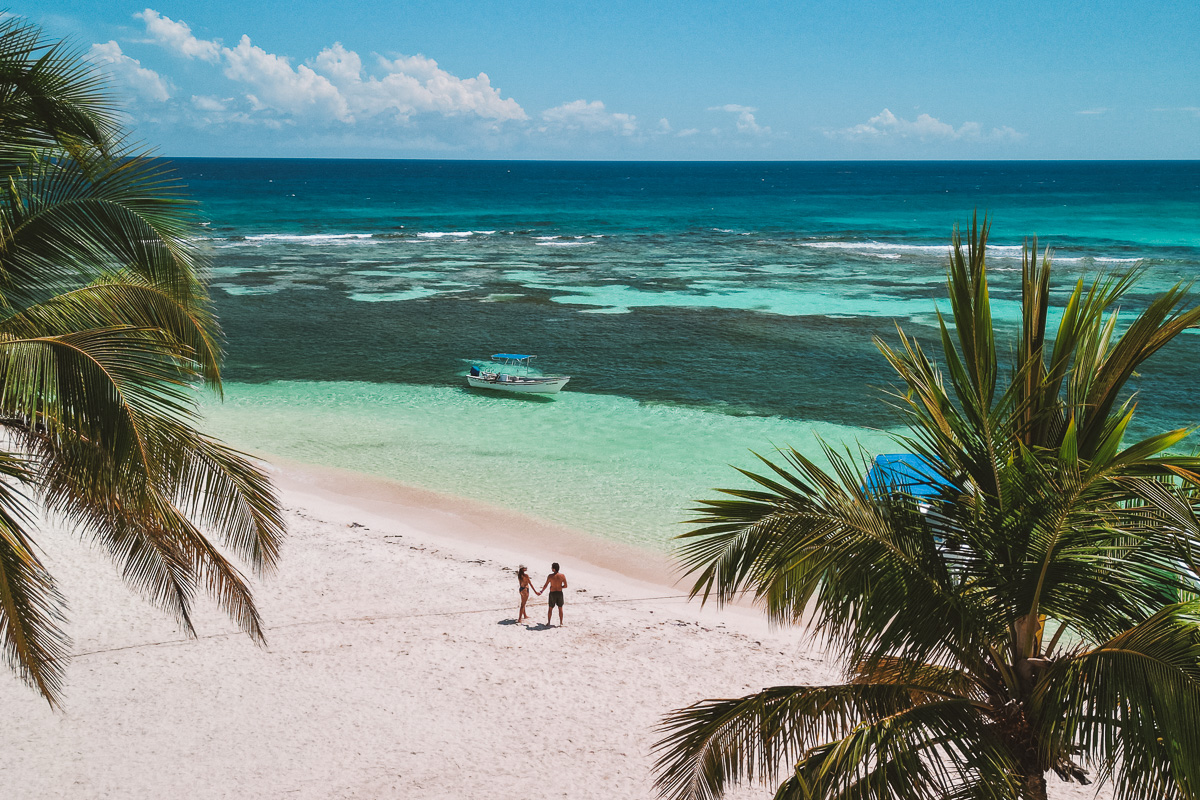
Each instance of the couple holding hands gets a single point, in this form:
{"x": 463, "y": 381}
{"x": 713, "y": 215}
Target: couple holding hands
{"x": 555, "y": 580}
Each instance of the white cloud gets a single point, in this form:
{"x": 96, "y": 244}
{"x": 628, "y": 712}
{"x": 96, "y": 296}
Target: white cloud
{"x": 410, "y": 85}
{"x": 280, "y": 87}
{"x": 144, "y": 82}
{"x": 593, "y": 117}
{"x": 925, "y": 128}
{"x": 687, "y": 132}
{"x": 209, "y": 110}
{"x": 1094, "y": 111}
{"x": 663, "y": 127}
{"x": 178, "y": 36}
{"x": 339, "y": 64}
{"x": 206, "y": 103}
{"x": 334, "y": 86}
{"x": 745, "y": 118}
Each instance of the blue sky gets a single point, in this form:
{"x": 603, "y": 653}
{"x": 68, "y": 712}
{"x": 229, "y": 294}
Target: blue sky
{"x": 656, "y": 79}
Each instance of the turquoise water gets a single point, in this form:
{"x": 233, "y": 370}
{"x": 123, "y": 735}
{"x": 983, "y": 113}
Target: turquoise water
{"x": 600, "y": 463}
{"x": 703, "y": 309}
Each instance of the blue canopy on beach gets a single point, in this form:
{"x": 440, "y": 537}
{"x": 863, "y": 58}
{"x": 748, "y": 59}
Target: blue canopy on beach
{"x": 906, "y": 472}
{"x": 513, "y": 356}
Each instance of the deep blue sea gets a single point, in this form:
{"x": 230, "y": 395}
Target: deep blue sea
{"x": 703, "y": 309}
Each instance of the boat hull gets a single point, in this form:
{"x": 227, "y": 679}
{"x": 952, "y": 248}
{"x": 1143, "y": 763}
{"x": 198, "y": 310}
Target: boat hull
{"x": 519, "y": 385}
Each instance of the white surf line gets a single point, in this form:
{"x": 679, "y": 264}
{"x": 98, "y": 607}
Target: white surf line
{"x": 344, "y": 620}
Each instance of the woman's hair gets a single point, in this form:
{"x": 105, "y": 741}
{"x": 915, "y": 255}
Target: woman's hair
{"x": 520, "y": 574}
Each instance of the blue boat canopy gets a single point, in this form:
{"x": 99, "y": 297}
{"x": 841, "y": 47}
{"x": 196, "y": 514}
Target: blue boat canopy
{"x": 513, "y": 356}
{"x": 908, "y": 473}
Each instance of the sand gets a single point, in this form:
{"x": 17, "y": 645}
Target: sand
{"x": 395, "y": 667}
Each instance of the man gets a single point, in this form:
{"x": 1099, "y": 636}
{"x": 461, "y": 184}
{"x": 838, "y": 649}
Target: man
{"x": 557, "y": 582}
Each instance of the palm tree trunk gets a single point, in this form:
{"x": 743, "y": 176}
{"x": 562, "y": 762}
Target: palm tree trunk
{"x": 1035, "y": 786}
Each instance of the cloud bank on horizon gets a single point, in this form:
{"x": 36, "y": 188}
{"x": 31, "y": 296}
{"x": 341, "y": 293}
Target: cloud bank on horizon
{"x": 339, "y": 97}
{"x": 924, "y": 128}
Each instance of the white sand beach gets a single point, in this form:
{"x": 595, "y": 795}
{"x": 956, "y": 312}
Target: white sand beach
{"x": 394, "y": 668}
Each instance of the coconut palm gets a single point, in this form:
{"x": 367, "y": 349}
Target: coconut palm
{"x": 107, "y": 336}
{"x": 1039, "y": 615}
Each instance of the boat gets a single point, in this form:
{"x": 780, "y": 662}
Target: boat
{"x": 513, "y": 376}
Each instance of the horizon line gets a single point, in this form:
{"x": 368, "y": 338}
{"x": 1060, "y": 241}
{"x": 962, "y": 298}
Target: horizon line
{"x": 701, "y": 161}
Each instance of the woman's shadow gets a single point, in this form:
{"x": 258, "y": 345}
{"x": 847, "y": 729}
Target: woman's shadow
{"x": 540, "y": 626}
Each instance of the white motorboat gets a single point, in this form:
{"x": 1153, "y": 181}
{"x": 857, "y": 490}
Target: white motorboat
{"x": 513, "y": 375}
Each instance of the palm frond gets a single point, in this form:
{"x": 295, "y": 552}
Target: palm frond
{"x": 712, "y": 744}
{"x": 968, "y": 291}
{"x": 926, "y": 752}
{"x": 1162, "y": 320}
{"x": 49, "y": 96}
{"x": 1131, "y": 705}
{"x": 161, "y": 553}
{"x": 67, "y": 224}
{"x": 124, "y": 301}
{"x": 32, "y": 638}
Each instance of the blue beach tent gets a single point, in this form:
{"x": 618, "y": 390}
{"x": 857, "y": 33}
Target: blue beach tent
{"x": 907, "y": 473}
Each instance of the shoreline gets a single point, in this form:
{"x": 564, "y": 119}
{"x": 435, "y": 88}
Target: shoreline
{"x": 612, "y": 467}
{"x": 468, "y": 522}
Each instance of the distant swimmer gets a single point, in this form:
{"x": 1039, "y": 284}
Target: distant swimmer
{"x": 526, "y": 583}
{"x": 557, "y": 582}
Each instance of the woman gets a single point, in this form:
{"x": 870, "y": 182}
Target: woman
{"x": 526, "y": 583}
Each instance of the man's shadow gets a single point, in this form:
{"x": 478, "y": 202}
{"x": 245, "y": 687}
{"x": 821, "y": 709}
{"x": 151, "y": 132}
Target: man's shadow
{"x": 541, "y": 626}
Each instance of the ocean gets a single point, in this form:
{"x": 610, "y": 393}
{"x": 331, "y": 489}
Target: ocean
{"x": 705, "y": 311}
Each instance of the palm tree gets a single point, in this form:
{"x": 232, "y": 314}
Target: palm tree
{"x": 1039, "y": 615}
{"x": 107, "y": 335}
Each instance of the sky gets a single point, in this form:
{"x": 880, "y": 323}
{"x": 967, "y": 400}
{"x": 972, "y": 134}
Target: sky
{"x": 651, "y": 79}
